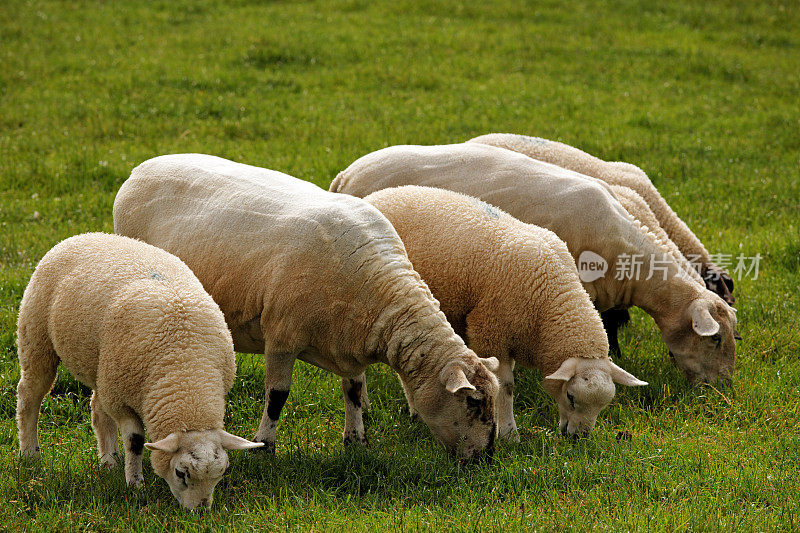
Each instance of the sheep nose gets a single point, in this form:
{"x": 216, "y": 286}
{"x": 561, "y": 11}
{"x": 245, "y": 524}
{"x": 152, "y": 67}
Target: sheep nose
{"x": 574, "y": 435}
{"x": 206, "y": 502}
{"x": 484, "y": 457}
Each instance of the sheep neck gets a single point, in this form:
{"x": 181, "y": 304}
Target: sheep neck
{"x": 183, "y": 401}
{"x": 555, "y": 311}
{"x": 420, "y": 343}
{"x": 660, "y": 298}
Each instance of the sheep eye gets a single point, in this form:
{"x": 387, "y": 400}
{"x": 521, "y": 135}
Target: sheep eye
{"x": 181, "y": 475}
{"x": 571, "y": 399}
{"x": 717, "y": 338}
{"x": 474, "y": 403}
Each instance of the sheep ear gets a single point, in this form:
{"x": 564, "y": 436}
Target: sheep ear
{"x": 702, "y": 321}
{"x": 565, "y": 371}
{"x": 728, "y": 281}
{"x": 623, "y": 377}
{"x": 454, "y": 378}
{"x": 232, "y": 442}
{"x": 492, "y": 364}
{"x": 168, "y": 444}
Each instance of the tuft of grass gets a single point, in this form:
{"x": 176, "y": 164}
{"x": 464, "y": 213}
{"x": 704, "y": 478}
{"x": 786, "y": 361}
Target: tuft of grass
{"x": 703, "y": 97}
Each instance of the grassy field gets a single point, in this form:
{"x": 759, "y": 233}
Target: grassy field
{"x": 703, "y": 96}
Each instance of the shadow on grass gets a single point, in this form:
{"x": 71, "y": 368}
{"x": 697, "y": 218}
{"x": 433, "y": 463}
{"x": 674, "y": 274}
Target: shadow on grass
{"x": 416, "y": 472}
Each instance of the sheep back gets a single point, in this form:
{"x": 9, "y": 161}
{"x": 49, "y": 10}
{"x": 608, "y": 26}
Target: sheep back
{"x": 519, "y": 277}
{"x": 279, "y": 255}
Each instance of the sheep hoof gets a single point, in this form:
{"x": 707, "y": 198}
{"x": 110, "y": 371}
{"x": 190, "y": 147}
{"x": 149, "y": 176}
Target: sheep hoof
{"x": 110, "y": 460}
{"x": 136, "y": 481}
{"x": 511, "y": 435}
{"x": 352, "y": 439}
{"x": 30, "y": 454}
{"x": 268, "y": 447}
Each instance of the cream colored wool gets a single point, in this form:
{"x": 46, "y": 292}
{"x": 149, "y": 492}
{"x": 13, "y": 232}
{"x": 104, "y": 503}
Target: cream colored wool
{"x": 638, "y": 208}
{"x": 303, "y": 273}
{"x": 512, "y": 291}
{"x": 696, "y": 324}
{"x": 133, "y": 323}
{"x": 627, "y": 175}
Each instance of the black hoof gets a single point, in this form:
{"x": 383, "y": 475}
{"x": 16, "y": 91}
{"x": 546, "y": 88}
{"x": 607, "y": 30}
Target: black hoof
{"x": 268, "y": 447}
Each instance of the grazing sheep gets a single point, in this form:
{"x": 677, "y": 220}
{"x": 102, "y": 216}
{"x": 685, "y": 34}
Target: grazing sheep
{"x": 627, "y": 175}
{"x": 133, "y": 323}
{"x": 511, "y": 290}
{"x": 303, "y": 273}
{"x": 697, "y": 325}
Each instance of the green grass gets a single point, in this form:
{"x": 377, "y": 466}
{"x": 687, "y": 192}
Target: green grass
{"x": 702, "y": 95}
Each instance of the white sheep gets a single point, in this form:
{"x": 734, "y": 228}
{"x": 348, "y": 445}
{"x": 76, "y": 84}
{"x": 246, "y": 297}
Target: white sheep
{"x": 627, "y": 175}
{"x": 303, "y": 273}
{"x": 511, "y": 290}
{"x": 133, "y": 323}
{"x": 696, "y": 324}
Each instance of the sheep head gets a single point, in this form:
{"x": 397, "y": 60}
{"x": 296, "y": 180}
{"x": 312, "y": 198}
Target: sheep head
{"x": 702, "y": 339}
{"x": 458, "y": 406}
{"x": 192, "y": 462}
{"x": 582, "y": 388}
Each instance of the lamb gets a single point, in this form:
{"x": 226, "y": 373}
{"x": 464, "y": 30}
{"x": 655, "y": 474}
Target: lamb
{"x": 133, "y": 323}
{"x": 696, "y": 324}
{"x": 625, "y": 174}
{"x": 303, "y": 273}
{"x": 512, "y": 291}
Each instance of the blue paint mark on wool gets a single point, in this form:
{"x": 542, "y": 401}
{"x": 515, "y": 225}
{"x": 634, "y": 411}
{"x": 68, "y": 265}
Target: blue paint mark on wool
{"x": 156, "y": 275}
{"x": 488, "y": 209}
{"x": 535, "y": 140}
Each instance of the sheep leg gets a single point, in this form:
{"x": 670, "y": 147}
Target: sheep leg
{"x": 479, "y": 330}
{"x": 613, "y": 320}
{"x": 365, "y": 404}
{"x": 353, "y": 390}
{"x": 105, "y": 430}
{"x": 277, "y": 380}
{"x": 133, "y": 438}
{"x": 39, "y": 364}
{"x": 507, "y": 426}
{"x": 412, "y": 411}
